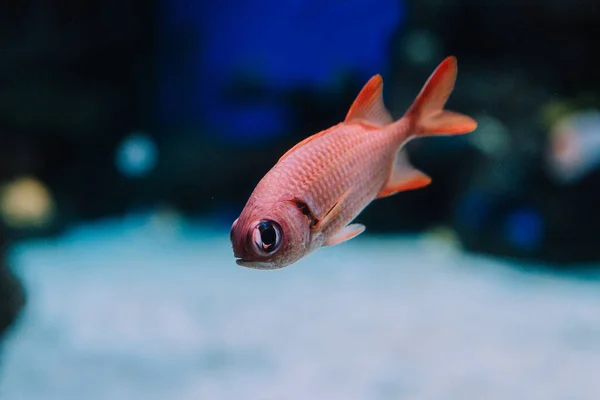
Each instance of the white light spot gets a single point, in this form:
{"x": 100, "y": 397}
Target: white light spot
{"x": 136, "y": 155}
{"x": 574, "y": 147}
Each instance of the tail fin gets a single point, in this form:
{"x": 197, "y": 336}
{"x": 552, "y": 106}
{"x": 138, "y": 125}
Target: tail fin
{"x": 427, "y": 111}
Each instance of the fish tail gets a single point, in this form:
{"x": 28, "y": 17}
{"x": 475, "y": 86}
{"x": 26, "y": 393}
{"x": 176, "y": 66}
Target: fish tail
{"x": 427, "y": 112}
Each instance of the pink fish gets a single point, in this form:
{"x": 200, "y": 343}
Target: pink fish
{"x": 310, "y": 197}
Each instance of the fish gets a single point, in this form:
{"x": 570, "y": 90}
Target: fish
{"x": 311, "y": 196}
{"x": 573, "y": 151}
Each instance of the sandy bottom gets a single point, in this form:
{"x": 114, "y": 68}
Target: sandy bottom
{"x": 146, "y": 309}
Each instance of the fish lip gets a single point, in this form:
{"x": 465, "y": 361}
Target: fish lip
{"x": 245, "y": 263}
{"x": 254, "y": 264}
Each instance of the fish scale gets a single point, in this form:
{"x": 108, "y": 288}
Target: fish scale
{"x": 310, "y": 197}
{"x": 319, "y": 181}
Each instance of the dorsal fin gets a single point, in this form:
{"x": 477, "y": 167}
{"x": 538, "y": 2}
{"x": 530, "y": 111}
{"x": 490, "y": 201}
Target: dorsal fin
{"x": 368, "y": 105}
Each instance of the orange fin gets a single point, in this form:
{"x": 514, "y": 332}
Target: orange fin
{"x": 403, "y": 177}
{"x": 333, "y": 212}
{"x": 427, "y": 111}
{"x": 368, "y": 105}
{"x": 344, "y": 234}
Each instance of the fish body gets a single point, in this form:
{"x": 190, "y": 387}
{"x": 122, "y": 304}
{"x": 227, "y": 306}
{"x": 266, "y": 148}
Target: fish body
{"x": 310, "y": 197}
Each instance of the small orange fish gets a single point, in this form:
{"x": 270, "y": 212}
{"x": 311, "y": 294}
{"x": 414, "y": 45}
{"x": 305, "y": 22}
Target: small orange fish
{"x": 310, "y": 197}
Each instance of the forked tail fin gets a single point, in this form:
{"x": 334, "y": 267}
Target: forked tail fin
{"x": 427, "y": 111}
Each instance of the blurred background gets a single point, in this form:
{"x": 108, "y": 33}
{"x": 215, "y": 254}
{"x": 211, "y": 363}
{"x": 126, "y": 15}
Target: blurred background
{"x": 132, "y": 133}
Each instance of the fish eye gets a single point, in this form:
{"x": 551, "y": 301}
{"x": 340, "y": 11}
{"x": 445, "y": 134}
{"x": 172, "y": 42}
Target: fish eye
{"x": 267, "y": 237}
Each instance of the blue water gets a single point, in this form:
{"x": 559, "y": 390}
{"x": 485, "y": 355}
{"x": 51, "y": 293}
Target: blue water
{"x": 209, "y": 47}
{"x": 155, "y": 308}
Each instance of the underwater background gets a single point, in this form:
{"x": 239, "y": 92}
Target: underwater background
{"x": 132, "y": 133}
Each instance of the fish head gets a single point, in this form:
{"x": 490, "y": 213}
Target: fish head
{"x": 270, "y": 237}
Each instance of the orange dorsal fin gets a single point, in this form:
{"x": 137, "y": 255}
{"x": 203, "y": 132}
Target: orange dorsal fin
{"x": 427, "y": 111}
{"x": 368, "y": 105}
{"x": 346, "y": 233}
{"x": 403, "y": 177}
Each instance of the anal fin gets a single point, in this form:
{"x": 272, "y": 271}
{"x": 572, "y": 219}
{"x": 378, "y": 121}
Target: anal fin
{"x": 346, "y": 233}
{"x": 403, "y": 177}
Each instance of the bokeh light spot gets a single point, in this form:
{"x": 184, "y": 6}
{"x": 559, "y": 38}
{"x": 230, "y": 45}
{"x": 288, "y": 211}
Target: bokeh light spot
{"x": 137, "y": 155}
{"x": 26, "y": 203}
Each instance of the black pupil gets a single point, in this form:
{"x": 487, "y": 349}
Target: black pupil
{"x": 267, "y": 234}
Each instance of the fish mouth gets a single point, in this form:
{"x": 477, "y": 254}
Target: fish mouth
{"x": 255, "y": 264}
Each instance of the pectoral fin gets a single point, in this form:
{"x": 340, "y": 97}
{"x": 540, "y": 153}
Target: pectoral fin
{"x": 344, "y": 234}
{"x": 333, "y": 212}
{"x": 403, "y": 177}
